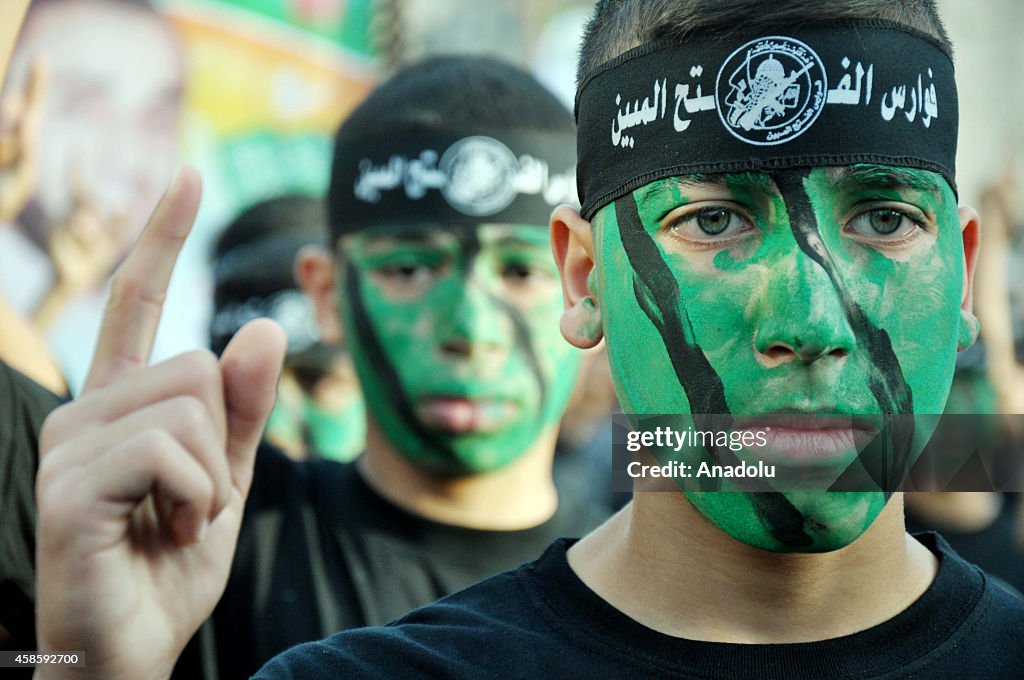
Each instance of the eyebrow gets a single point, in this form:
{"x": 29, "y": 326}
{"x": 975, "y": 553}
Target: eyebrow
{"x": 871, "y": 175}
{"x": 743, "y": 181}
{"x": 519, "y": 241}
{"x": 390, "y": 236}
{"x": 404, "y": 232}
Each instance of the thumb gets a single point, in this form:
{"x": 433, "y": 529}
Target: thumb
{"x": 250, "y": 367}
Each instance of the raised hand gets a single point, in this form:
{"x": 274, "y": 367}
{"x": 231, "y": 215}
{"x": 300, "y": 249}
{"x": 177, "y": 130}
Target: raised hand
{"x": 143, "y": 478}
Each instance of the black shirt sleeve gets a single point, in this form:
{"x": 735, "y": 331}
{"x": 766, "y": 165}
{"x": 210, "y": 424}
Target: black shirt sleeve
{"x": 23, "y": 407}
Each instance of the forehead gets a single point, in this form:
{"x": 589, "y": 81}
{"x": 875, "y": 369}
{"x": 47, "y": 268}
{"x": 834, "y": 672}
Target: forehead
{"x": 102, "y": 43}
{"x": 834, "y": 179}
{"x": 839, "y": 179}
{"x": 450, "y": 237}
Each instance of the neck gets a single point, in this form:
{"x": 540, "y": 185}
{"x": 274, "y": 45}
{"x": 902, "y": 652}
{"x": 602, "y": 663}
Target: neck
{"x": 520, "y": 495}
{"x": 701, "y": 584}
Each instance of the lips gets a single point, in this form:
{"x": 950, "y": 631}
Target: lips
{"x": 461, "y": 415}
{"x": 808, "y": 439}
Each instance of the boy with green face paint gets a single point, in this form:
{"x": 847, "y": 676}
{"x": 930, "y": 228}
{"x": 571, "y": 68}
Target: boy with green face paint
{"x": 768, "y": 235}
{"x": 443, "y": 282}
{"x": 762, "y": 270}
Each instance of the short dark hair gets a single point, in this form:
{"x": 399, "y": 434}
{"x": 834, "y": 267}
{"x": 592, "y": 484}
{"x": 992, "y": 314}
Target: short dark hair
{"x": 447, "y": 94}
{"x": 254, "y": 259}
{"x": 292, "y": 216}
{"x": 617, "y": 26}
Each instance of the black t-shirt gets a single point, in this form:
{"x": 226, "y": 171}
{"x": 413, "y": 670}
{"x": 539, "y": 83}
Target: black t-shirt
{"x": 320, "y": 552}
{"x": 993, "y": 548}
{"x": 23, "y": 407}
{"x": 541, "y": 621}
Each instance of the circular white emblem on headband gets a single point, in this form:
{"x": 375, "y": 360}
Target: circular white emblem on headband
{"x": 770, "y": 90}
{"x": 481, "y": 175}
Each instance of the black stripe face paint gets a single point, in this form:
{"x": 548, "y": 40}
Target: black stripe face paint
{"x": 861, "y": 308}
{"x": 470, "y": 242}
{"x": 882, "y": 368}
{"x": 455, "y": 340}
{"x": 657, "y": 293}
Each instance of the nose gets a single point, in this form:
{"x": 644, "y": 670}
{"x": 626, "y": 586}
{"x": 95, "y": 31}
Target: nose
{"x": 474, "y": 323}
{"x": 802, "y": 317}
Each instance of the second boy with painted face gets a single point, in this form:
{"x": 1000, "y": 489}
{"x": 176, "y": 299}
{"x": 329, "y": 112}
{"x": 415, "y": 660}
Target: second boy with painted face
{"x": 442, "y": 279}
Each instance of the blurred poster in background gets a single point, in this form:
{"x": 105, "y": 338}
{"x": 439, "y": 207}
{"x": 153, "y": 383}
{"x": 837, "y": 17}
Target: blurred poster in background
{"x": 267, "y": 84}
{"x": 249, "y": 91}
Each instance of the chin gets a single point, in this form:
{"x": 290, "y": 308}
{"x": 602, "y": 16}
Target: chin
{"x": 804, "y": 522}
{"x": 455, "y": 461}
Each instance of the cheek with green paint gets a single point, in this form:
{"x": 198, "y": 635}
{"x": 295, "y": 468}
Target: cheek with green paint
{"x": 687, "y": 330}
{"x": 336, "y": 432}
{"x": 462, "y": 364}
{"x": 912, "y": 293}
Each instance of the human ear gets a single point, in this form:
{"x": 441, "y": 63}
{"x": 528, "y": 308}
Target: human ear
{"x": 572, "y": 244}
{"x": 314, "y": 271}
{"x": 970, "y": 224}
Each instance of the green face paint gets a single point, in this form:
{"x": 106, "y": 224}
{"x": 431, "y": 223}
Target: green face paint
{"x": 330, "y": 420}
{"x": 454, "y": 335}
{"x": 828, "y": 291}
{"x": 336, "y": 432}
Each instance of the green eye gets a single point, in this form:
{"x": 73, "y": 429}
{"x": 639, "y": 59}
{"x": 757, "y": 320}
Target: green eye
{"x": 517, "y": 271}
{"x": 714, "y": 221}
{"x": 408, "y": 272}
{"x": 883, "y": 222}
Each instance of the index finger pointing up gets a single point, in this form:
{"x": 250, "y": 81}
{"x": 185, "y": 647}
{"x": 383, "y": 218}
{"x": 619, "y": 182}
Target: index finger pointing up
{"x": 139, "y": 286}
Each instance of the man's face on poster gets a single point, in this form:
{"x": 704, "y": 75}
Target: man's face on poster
{"x": 110, "y": 128}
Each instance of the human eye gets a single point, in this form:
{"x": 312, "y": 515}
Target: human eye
{"x": 522, "y": 272}
{"x": 708, "y": 226}
{"x": 887, "y": 226}
{"x": 407, "y": 269}
{"x": 408, "y": 273}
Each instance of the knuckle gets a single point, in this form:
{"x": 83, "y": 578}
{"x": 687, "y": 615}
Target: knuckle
{"x": 201, "y": 367}
{"x": 156, "y": 447}
{"x": 203, "y": 492}
{"x": 123, "y": 287}
{"x": 51, "y": 506}
{"x": 57, "y": 504}
{"x": 50, "y": 470}
{"x": 66, "y": 422}
{"x": 190, "y": 412}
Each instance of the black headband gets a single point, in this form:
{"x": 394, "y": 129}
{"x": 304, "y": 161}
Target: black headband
{"x": 855, "y": 92}
{"x": 427, "y": 177}
{"x": 256, "y": 279}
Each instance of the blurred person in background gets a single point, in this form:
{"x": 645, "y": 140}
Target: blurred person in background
{"x": 319, "y": 410}
{"x": 583, "y": 459}
{"x": 107, "y": 145}
{"x": 442, "y": 283}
